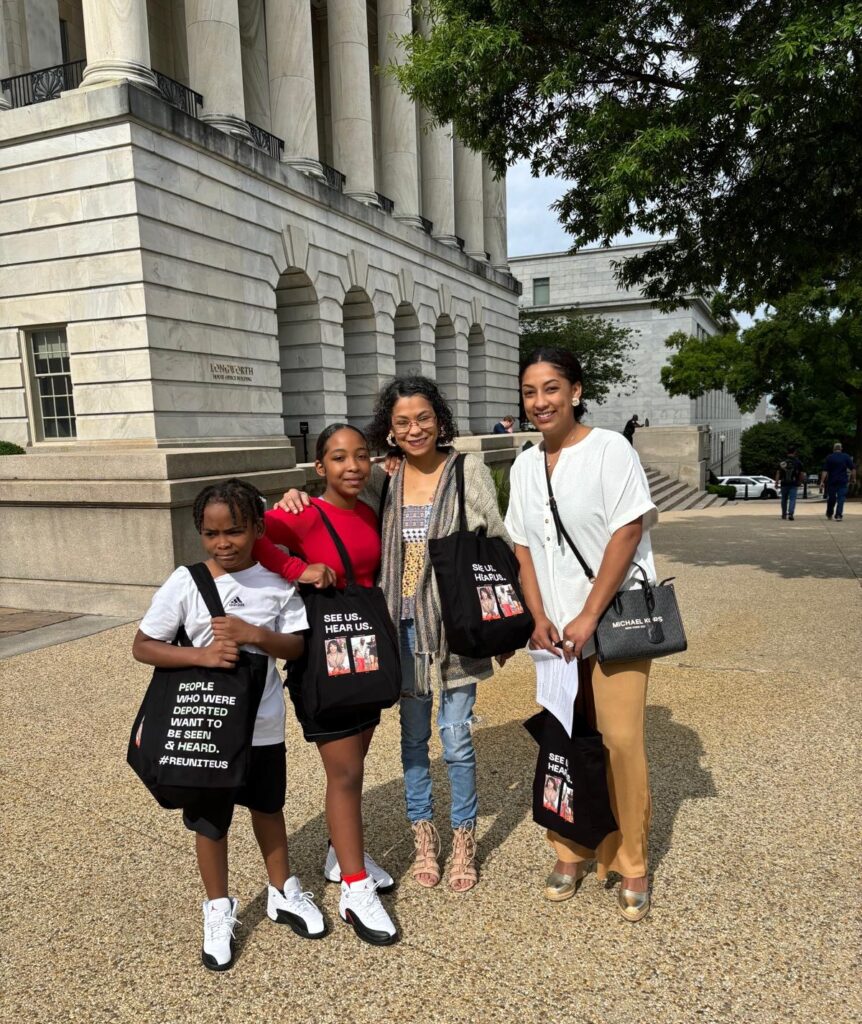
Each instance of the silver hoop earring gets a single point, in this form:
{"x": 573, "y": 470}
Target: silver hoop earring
{"x": 390, "y": 439}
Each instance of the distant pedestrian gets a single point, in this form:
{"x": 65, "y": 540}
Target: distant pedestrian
{"x": 505, "y": 426}
{"x": 788, "y": 477}
{"x": 837, "y": 474}
{"x": 630, "y": 428}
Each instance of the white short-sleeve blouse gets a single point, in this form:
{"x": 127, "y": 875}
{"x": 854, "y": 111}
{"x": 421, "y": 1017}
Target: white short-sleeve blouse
{"x": 600, "y": 486}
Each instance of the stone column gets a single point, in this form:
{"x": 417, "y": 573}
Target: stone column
{"x": 399, "y": 144}
{"x": 215, "y": 63}
{"x": 118, "y": 42}
{"x": 350, "y": 79}
{"x": 494, "y": 205}
{"x": 293, "y": 102}
{"x": 469, "y": 214}
{"x": 255, "y": 74}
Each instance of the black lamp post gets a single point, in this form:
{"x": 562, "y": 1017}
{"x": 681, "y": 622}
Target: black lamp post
{"x": 721, "y": 440}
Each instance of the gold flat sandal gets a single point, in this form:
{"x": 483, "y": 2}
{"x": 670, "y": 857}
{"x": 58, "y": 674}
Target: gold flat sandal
{"x": 633, "y": 905}
{"x": 559, "y": 886}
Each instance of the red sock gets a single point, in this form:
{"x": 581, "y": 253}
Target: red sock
{"x": 350, "y": 879}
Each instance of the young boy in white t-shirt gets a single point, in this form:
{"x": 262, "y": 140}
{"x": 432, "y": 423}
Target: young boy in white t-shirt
{"x": 264, "y": 616}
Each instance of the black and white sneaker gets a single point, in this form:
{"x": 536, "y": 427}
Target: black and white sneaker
{"x": 219, "y": 922}
{"x": 360, "y": 906}
{"x": 332, "y": 871}
{"x": 296, "y": 909}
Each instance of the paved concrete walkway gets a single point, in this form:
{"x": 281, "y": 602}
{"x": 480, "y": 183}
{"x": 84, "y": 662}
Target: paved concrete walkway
{"x": 754, "y": 742}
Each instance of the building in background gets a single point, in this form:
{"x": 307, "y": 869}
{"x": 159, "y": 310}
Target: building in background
{"x": 220, "y": 227}
{"x": 556, "y": 283}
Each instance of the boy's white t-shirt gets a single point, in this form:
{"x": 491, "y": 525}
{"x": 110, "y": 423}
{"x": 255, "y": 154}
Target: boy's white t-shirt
{"x": 255, "y": 595}
{"x": 599, "y": 485}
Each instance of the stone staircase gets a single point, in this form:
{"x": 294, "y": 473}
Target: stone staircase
{"x": 672, "y": 495}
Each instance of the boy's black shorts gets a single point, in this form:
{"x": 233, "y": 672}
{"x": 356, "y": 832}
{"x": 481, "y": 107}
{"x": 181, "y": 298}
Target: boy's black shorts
{"x": 210, "y": 815}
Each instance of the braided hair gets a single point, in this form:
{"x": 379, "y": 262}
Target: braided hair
{"x": 244, "y": 500}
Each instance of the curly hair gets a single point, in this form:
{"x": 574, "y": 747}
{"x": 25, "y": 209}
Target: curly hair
{"x": 564, "y": 362}
{"x": 244, "y": 500}
{"x": 408, "y": 387}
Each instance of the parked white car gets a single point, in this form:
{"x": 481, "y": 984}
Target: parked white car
{"x": 758, "y": 486}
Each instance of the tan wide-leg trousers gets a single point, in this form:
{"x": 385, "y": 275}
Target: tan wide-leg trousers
{"x": 619, "y": 692}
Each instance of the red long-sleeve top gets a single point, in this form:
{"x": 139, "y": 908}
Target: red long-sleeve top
{"x": 306, "y": 534}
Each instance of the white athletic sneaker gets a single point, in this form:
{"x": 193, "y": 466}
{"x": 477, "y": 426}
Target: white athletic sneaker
{"x": 295, "y": 908}
{"x": 360, "y": 906}
{"x": 332, "y": 872}
{"x": 219, "y": 923}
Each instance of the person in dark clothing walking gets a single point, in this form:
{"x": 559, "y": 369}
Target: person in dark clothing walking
{"x": 838, "y": 472}
{"x": 630, "y": 428}
{"x": 788, "y": 477}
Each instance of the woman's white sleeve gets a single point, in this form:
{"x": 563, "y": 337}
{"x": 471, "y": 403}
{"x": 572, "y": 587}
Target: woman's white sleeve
{"x": 625, "y": 489}
{"x": 515, "y": 513}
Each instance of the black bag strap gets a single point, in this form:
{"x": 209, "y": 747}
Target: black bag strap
{"x": 339, "y": 547}
{"x": 384, "y": 494}
{"x": 562, "y": 534}
{"x": 459, "y": 485}
{"x": 561, "y": 530}
{"x": 209, "y": 591}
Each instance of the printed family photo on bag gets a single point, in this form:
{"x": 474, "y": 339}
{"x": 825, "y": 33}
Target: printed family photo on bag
{"x": 552, "y": 792}
{"x": 567, "y": 811}
{"x": 337, "y": 663}
{"x": 364, "y": 653}
{"x": 489, "y": 605}
{"x": 509, "y": 604}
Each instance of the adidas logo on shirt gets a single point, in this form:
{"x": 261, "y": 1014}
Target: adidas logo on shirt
{"x": 235, "y": 602}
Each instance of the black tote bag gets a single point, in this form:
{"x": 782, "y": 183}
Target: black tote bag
{"x": 351, "y": 659}
{"x": 643, "y": 622}
{"x": 483, "y": 608}
{"x": 194, "y": 728}
{"x": 570, "y": 785}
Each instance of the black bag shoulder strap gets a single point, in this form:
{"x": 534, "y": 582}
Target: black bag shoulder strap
{"x": 384, "y": 494}
{"x": 339, "y": 546}
{"x": 561, "y": 530}
{"x": 208, "y": 590}
{"x": 459, "y": 484}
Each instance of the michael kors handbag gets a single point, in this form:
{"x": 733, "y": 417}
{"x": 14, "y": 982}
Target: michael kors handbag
{"x": 643, "y": 622}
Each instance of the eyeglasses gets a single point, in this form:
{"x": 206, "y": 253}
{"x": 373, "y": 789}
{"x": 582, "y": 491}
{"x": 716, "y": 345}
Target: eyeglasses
{"x": 424, "y": 421}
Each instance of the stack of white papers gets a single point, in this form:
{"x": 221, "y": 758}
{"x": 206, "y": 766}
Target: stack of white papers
{"x": 556, "y": 685}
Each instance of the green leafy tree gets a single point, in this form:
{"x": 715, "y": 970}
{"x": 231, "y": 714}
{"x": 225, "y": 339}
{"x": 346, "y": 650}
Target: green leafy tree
{"x": 762, "y": 446}
{"x": 730, "y": 129}
{"x": 806, "y": 354}
{"x": 602, "y": 346}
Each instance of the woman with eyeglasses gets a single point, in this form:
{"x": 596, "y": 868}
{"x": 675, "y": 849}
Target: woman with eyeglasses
{"x": 414, "y": 421}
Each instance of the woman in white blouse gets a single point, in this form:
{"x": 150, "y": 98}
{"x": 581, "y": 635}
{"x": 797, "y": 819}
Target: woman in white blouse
{"x": 604, "y": 503}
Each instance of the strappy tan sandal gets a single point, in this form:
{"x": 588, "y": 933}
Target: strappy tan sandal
{"x": 462, "y": 868}
{"x": 426, "y": 840}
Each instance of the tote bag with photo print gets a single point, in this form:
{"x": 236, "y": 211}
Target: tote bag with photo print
{"x": 570, "y": 785}
{"x": 194, "y": 728}
{"x": 351, "y": 658}
{"x": 483, "y": 608}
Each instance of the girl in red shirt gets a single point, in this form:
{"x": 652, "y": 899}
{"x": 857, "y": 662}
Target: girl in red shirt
{"x": 343, "y": 459}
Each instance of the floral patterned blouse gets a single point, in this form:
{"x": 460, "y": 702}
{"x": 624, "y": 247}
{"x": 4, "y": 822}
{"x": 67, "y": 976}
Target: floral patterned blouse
{"x": 414, "y": 534}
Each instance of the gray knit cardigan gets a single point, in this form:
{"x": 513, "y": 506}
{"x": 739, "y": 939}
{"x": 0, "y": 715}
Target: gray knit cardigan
{"x": 434, "y": 661}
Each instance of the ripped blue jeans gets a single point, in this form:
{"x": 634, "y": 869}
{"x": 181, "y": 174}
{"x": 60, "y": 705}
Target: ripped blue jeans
{"x": 454, "y": 720}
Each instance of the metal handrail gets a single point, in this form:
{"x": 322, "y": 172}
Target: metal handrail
{"x": 43, "y": 84}
{"x": 334, "y": 178}
{"x": 427, "y": 225}
{"x": 177, "y": 94}
{"x": 265, "y": 142}
{"x": 386, "y": 204}
{"x": 460, "y": 242}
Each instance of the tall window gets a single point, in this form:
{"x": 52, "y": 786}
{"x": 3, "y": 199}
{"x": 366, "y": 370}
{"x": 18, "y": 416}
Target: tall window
{"x": 52, "y": 384}
{"x": 541, "y": 291}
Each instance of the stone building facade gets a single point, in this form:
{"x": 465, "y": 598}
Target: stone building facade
{"x": 220, "y": 227}
{"x": 557, "y": 282}
{"x": 267, "y": 255}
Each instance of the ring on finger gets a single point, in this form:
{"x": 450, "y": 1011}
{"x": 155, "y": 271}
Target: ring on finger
{"x": 569, "y": 644}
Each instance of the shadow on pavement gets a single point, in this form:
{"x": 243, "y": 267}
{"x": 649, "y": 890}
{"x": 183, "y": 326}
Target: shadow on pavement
{"x": 807, "y": 547}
